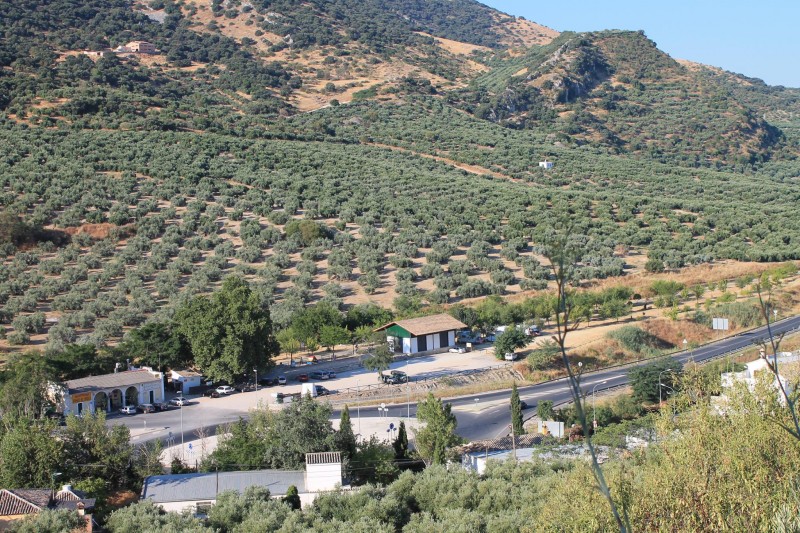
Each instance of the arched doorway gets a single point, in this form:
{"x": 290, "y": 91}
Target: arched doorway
{"x": 132, "y": 396}
{"x": 102, "y": 402}
{"x": 116, "y": 399}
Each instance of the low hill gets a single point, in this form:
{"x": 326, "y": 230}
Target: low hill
{"x": 403, "y": 136}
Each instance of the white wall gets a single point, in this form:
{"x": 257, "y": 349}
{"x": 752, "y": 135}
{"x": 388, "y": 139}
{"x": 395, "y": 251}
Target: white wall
{"x": 323, "y": 477}
{"x": 451, "y": 338}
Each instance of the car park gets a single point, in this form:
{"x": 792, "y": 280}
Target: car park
{"x": 225, "y": 390}
{"x": 128, "y": 410}
{"x": 302, "y": 378}
{"x": 318, "y": 375}
{"x": 146, "y": 408}
{"x": 281, "y": 380}
{"x": 180, "y": 401}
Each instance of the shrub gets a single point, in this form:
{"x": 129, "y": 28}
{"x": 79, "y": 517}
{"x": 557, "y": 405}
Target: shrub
{"x": 635, "y": 340}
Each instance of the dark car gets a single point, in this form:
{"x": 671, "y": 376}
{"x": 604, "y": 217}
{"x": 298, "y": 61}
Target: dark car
{"x": 146, "y": 408}
{"x": 161, "y": 406}
{"x": 302, "y": 378}
{"x": 211, "y": 393}
{"x": 322, "y": 391}
{"x": 267, "y": 382}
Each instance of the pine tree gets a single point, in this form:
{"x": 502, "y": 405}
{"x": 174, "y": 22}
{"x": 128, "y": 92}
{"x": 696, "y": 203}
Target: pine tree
{"x": 400, "y": 444}
{"x": 516, "y": 412}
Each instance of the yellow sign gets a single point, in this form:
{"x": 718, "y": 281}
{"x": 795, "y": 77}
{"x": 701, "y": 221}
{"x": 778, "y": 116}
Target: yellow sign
{"x": 82, "y": 397}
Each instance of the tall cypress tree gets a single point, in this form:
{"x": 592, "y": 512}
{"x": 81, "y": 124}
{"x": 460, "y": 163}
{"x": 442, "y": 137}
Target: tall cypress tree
{"x": 345, "y": 438}
{"x": 400, "y": 444}
{"x": 516, "y": 412}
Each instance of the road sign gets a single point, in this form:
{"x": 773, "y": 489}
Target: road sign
{"x": 391, "y": 425}
{"x": 719, "y": 323}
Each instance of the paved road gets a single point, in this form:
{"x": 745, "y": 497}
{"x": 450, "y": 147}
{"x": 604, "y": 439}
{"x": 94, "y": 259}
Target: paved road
{"x": 485, "y": 415}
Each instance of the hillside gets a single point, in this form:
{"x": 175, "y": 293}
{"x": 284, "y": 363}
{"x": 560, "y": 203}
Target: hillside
{"x": 355, "y": 152}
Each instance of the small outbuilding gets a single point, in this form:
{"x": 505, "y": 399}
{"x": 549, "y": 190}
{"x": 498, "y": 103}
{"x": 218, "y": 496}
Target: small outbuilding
{"x": 547, "y": 165}
{"x": 423, "y": 334}
{"x": 183, "y": 380}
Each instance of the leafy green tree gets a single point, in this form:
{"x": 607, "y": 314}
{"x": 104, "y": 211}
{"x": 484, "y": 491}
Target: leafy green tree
{"x": 439, "y": 432}
{"x": 81, "y": 360}
{"x": 309, "y": 322}
{"x": 516, "y": 412}
{"x": 93, "y": 449}
{"x": 157, "y": 345}
{"x": 144, "y": 515}
{"x": 29, "y": 455}
{"x": 24, "y": 386}
{"x": 645, "y": 379}
{"x": 292, "y": 497}
{"x": 232, "y": 508}
{"x": 229, "y": 333}
{"x": 380, "y": 356}
{"x": 508, "y": 341}
{"x": 51, "y": 521}
{"x": 374, "y": 462}
{"x": 330, "y": 336}
{"x": 287, "y": 340}
{"x": 544, "y": 410}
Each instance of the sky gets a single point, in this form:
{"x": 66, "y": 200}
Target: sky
{"x": 757, "y": 39}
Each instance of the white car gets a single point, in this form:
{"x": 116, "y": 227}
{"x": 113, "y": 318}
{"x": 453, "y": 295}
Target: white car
{"x": 180, "y": 401}
{"x": 225, "y": 389}
{"x": 510, "y": 356}
{"x": 128, "y": 410}
{"x": 281, "y": 380}
{"x": 457, "y": 349}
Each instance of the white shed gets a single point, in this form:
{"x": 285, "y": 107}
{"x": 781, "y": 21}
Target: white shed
{"x": 184, "y": 380}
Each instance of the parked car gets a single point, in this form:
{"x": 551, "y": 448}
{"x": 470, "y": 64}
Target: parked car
{"x": 523, "y": 405}
{"x": 146, "y": 408}
{"x": 331, "y": 374}
{"x": 161, "y": 406}
{"x": 128, "y": 410}
{"x": 225, "y": 389}
{"x": 211, "y": 393}
{"x": 281, "y": 380}
{"x": 510, "y": 356}
{"x": 318, "y": 375}
{"x": 180, "y": 401}
{"x": 267, "y": 382}
{"x": 246, "y": 387}
{"x": 302, "y": 378}
{"x": 395, "y": 377}
{"x": 322, "y": 391}
{"x": 457, "y": 349}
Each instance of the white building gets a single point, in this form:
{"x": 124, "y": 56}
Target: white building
{"x": 423, "y": 334}
{"x": 760, "y": 367}
{"x": 547, "y": 165}
{"x": 112, "y": 391}
{"x": 197, "y": 492}
{"x": 183, "y": 380}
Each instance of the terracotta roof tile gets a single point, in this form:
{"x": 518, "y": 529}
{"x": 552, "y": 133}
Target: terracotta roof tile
{"x": 426, "y": 325}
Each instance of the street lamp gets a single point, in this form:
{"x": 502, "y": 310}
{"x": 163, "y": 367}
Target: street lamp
{"x": 255, "y": 371}
{"x": 408, "y": 397}
{"x": 180, "y": 398}
{"x": 594, "y": 408}
{"x": 661, "y": 384}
